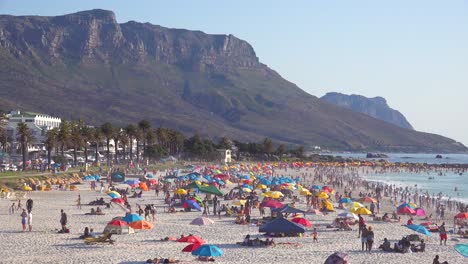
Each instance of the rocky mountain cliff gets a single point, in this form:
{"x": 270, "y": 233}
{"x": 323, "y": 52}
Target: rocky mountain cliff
{"x": 376, "y": 107}
{"x": 86, "y": 65}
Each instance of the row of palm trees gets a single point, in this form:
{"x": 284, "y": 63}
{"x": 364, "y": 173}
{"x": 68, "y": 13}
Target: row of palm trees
{"x": 78, "y": 136}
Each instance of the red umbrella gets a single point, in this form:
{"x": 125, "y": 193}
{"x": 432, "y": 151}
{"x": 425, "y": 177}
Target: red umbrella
{"x": 462, "y": 216}
{"x": 192, "y": 239}
{"x": 272, "y": 204}
{"x": 117, "y": 223}
{"x": 191, "y": 247}
{"x": 406, "y": 210}
{"x": 224, "y": 177}
{"x": 302, "y": 221}
{"x": 118, "y": 200}
{"x": 153, "y": 181}
{"x": 327, "y": 189}
{"x": 247, "y": 181}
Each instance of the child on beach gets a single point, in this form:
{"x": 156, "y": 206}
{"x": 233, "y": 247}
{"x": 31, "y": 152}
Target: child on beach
{"x": 11, "y": 210}
{"x": 314, "y": 234}
{"x": 24, "y": 217}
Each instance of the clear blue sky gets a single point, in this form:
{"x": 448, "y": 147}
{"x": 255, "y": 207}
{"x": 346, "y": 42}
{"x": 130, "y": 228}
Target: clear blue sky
{"x": 413, "y": 53}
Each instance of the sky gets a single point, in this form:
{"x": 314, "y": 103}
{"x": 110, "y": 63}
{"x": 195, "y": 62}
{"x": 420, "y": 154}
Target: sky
{"x": 413, "y": 53}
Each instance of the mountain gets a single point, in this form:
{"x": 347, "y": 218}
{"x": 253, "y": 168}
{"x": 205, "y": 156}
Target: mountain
{"x": 376, "y": 107}
{"x": 86, "y": 65}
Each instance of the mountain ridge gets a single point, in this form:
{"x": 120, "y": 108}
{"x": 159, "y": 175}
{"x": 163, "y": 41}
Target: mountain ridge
{"x": 86, "y": 65}
{"x": 376, "y": 107}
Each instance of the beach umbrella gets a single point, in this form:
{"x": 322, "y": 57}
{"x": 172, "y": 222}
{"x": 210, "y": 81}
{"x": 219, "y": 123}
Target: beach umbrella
{"x": 202, "y": 221}
{"x": 367, "y": 199}
{"x": 462, "y": 249}
{"x": 462, "y": 216}
{"x": 301, "y": 221}
{"x": 114, "y": 194}
{"x": 246, "y": 190}
{"x": 239, "y": 202}
{"x": 420, "y": 229}
{"x": 406, "y": 205}
{"x": 345, "y": 200}
{"x": 413, "y": 205}
{"x": 118, "y": 200}
{"x": 261, "y": 186}
{"x": 191, "y": 247}
{"x": 191, "y": 239}
{"x": 273, "y": 194}
{"x": 142, "y": 224}
{"x": 354, "y": 205}
{"x": 317, "y": 187}
{"x": 198, "y": 199}
{"x": 180, "y": 192}
{"x": 348, "y": 215}
{"x": 327, "y": 189}
{"x": 132, "y": 182}
{"x": 208, "y": 250}
{"x": 361, "y": 211}
{"x": 117, "y": 222}
{"x": 130, "y": 218}
{"x": 406, "y": 211}
{"x": 323, "y": 195}
{"x": 419, "y": 212}
{"x": 272, "y": 204}
{"x": 192, "y": 204}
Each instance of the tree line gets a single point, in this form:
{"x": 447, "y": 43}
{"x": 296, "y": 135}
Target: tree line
{"x": 150, "y": 143}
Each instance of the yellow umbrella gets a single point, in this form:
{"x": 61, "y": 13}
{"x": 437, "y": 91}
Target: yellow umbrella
{"x": 246, "y": 190}
{"x": 413, "y": 204}
{"x": 261, "y": 186}
{"x": 354, "y": 205}
{"x": 239, "y": 202}
{"x": 180, "y": 192}
{"x": 361, "y": 211}
{"x": 323, "y": 195}
{"x": 273, "y": 194}
{"x": 305, "y": 192}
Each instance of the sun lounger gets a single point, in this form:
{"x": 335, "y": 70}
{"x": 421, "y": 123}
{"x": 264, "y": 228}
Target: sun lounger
{"x": 106, "y": 238}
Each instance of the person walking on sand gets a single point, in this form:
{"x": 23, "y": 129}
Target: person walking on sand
{"x": 78, "y": 202}
{"x": 443, "y": 234}
{"x": 362, "y": 224}
{"x": 11, "y": 210}
{"x": 370, "y": 238}
{"x": 24, "y": 218}
{"x": 30, "y": 221}
{"x": 63, "y": 220}
{"x": 314, "y": 234}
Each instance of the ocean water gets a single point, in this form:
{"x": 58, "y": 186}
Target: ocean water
{"x": 445, "y": 183}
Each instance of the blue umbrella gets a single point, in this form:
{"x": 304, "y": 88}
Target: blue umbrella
{"x": 345, "y": 200}
{"x": 149, "y": 175}
{"x": 208, "y": 250}
{"x": 462, "y": 249}
{"x": 192, "y": 204}
{"x": 114, "y": 195}
{"x": 420, "y": 229}
{"x": 132, "y": 182}
{"x": 130, "y": 218}
{"x": 405, "y": 205}
{"x": 317, "y": 187}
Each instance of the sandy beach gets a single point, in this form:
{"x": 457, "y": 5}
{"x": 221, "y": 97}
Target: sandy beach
{"x": 45, "y": 245}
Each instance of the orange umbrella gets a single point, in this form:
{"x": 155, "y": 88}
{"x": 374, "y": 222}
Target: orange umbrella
{"x": 142, "y": 224}
{"x": 462, "y": 216}
{"x": 367, "y": 199}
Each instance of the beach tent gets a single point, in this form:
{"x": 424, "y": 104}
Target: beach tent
{"x": 208, "y": 250}
{"x": 118, "y": 227}
{"x": 403, "y": 205}
{"x": 287, "y": 209}
{"x": 192, "y": 205}
{"x": 337, "y": 258}
{"x": 419, "y": 212}
{"x": 281, "y": 225}
{"x": 406, "y": 211}
{"x": 462, "y": 249}
{"x": 202, "y": 221}
{"x": 142, "y": 224}
{"x": 130, "y": 218}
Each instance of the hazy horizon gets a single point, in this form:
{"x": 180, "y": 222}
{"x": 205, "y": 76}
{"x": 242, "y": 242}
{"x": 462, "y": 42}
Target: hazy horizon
{"x": 414, "y": 54}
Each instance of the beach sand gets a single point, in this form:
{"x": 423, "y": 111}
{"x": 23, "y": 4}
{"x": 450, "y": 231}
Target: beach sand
{"x": 45, "y": 245}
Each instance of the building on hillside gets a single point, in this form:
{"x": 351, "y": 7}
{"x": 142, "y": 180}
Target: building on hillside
{"x": 226, "y": 155}
{"x": 38, "y": 123}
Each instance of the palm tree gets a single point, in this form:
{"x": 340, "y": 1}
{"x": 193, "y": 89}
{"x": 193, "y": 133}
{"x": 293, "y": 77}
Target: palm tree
{"x": 96, "y": 137}
{"x": 116, "y": 137}
{"x": 25, "y": 138}
{"x": 123, "y": 139}
{"x": 50, "y": 143}
{"x": 76, "y": 138}
{"x": 87, "y": 135}
{"x": 138, "y": 138}
{"x": 131, "y": 131}
{"x": 64, "y": 135}
{"x": 145, "y": 127}
{"x": 107, "y": 130}
{"x": 3, "y": 133}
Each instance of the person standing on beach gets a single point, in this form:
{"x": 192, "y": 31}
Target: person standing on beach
{"x": 29, "y": 204}
{"x": 315, "y": 235}
{"x": 12, "y": 209}
{"x": 63, "y": 220}
{"x": 443, "y": 234}
{"x": 362, "y": 224}
{"x": 30, "y": 221}
{"x": 370, "y": 238}
{"x": 364, "y": 233}
{"x": 24, "y": 218}
{"x": 78, "y": 202}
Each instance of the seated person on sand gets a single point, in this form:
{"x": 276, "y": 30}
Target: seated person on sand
{"x": 246, "y": 241}
{"x": 172, "y": 209}
{"x": 202, "y": 258}
{"x": 386, "y": 246}
{"x": 386, "y": 218}
{"x": 85, "y": 233}
{"x": 162, "y": 260}
{"x": 91, "y": 233}
{"x": 421, "y": 247}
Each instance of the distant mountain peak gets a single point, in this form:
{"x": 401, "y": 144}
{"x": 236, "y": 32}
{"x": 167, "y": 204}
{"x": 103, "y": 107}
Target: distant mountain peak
{"x": 376, "y": 107}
